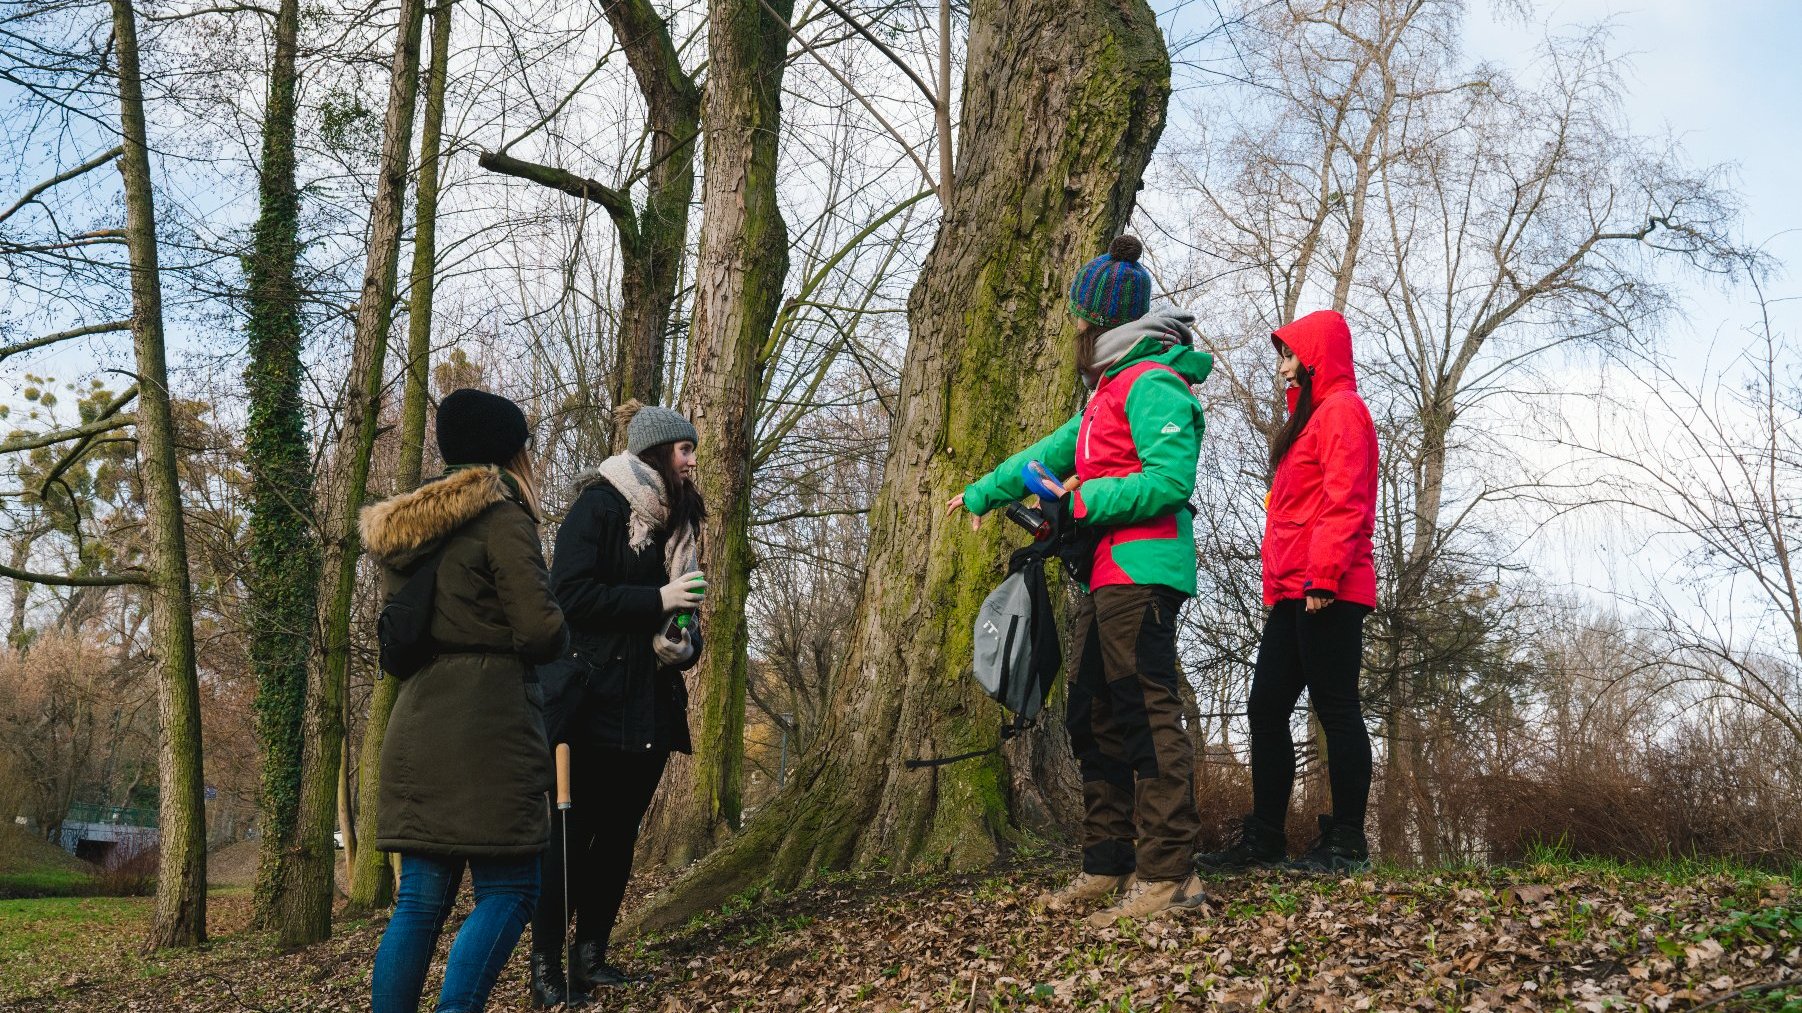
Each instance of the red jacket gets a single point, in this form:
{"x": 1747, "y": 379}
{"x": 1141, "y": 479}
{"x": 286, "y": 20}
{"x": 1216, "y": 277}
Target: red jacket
{"x": 1322, "y": 509}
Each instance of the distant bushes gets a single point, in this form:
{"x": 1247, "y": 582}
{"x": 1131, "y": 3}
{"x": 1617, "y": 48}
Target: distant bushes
{"x": 1712, "y": 783}
{"x": 1692, "y": 798}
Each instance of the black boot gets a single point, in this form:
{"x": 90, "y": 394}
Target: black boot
{"x": 549, "y": 987}
{"x": 1338, "y": 849}
{"x": 1257, "y": 845}
{"x": 591, "y": 970}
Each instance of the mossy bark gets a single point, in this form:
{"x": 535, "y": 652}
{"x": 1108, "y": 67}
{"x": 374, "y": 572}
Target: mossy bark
{"x": 372, "y": 877}
{"x": 306, "y": 906}
{"x": 284, "y": 557}
{"x": 1063, "y": 103}
{"x": 180, "y": 915}
{"x": 743, "y": 263}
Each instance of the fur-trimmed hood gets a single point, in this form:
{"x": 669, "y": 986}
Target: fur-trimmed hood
{"x": 399, "y": 529}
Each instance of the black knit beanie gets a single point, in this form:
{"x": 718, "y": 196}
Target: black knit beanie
{"x": 476, "y": 427}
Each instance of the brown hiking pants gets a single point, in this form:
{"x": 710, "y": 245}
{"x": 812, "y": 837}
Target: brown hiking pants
{"x": 1126, "y": 727}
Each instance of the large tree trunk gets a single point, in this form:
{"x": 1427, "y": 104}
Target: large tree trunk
{"x": 306, "y": 912}
{"x": 1063, "y": 103}
{"x": 284, "y": 558}
{"x": 180, "y": 916}
{"x": 738, "y": 289}
{"x": 372, "y": 878}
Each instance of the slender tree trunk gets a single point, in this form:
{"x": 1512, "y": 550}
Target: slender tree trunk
{"x": 738, "y": 289}
{"x": 654, "y": 266}
{"x": 654, "y": 239}
{"x": 307, "y": 900}
{"x": 372, "y": 878}
{"x": 1063, "y": 103}
{"x": 941, "y": 113}
{"x": 347, "y": 827}
{"x": 284, "y": 557}
{"x": 180, "y": 916}
{"x": 1392, "y": 812}
{"x": 21, "y": 597}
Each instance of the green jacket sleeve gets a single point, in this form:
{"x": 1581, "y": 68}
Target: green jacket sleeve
{"x": 1166, "y": 425}
{"x": 1056, "y": 452}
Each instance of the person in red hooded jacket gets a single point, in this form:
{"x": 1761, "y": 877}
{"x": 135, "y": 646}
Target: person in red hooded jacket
{"x": 1319, "y": 584}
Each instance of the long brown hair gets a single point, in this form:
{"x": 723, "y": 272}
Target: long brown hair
{"x": 1298, "y": 419}
{"x": 1086, "y": 333}
{"x": 525, "y": 480}
{"x": 685, "y": 503}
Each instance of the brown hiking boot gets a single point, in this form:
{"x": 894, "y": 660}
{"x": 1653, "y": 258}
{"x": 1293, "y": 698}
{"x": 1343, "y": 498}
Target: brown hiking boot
{"x": 1146, "y": 899}
{"x": 1085, "y": 888}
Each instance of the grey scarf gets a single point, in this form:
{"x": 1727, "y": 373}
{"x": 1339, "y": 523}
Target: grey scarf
{"x": 643, "y": 490}
{"x": 1169, "y": 327}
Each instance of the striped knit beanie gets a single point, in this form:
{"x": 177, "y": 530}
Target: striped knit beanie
{"x": 1113, "y": 288}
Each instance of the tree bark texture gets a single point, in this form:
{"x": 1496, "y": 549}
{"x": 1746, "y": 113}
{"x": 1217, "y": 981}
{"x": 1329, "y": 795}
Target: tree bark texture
{"x": 180, "y": 915}
{"x": 372, "y": 878}
{"x": 742, "y": 266}
{"x": 1063, "y": 102}
{"x": 652, "y": 239}
{"x": 307, "y": 899}
{"x": 653, "y": 260}
{"x": 284, "y": 571}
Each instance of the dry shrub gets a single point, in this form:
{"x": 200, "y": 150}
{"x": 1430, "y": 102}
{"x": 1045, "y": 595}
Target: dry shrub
{"x": 1700, "y": 794}
{"x": 132, "y": 876}
{"x": 1222, "y": 796}
{"x": 72, "y": 713}
{"x": 12, "y": 797}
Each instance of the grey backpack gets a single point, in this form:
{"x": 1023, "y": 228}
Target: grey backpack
{"x": 1004, "y": 645}
{"x": 1016, "y": 650}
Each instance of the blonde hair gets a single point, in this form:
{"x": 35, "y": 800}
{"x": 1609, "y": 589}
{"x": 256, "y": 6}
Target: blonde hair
{"x": 525, "y": 476}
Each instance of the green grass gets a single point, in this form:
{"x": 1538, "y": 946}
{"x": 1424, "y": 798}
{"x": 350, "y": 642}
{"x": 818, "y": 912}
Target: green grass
{"x": 39, "y": 921}
{"x": 45, "y": 939}
{"x": 1674, "y": 869}
{"x": 46, "y": 883}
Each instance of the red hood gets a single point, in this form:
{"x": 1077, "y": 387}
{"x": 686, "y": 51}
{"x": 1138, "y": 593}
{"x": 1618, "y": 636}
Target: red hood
{"x": 1322, "y": 341}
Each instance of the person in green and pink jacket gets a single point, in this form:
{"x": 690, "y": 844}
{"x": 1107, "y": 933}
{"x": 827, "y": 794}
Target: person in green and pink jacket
{"x": 1128, "y": 461}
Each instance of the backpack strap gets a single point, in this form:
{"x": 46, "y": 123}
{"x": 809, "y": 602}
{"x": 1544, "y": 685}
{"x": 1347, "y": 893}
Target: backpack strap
{"x": 422, "y": 583}
{"x": 1008, "y": 731}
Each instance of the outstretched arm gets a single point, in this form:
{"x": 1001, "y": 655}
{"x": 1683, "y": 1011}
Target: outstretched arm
{"x": 1007, "y": 482}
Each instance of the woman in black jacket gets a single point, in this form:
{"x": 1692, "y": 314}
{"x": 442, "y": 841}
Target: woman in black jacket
{"x": 627, "y": 574}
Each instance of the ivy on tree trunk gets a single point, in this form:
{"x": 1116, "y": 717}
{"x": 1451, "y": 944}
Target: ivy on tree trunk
{"x": 739, "y": 274}
{"x": 284, "y": 558}
{"x": 306, "y": 906}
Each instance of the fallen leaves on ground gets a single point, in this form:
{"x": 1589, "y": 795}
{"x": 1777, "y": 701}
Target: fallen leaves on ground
{"x": 1478, "y": 941}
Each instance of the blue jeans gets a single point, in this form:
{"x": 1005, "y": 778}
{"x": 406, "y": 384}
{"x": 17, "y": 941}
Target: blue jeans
{"x": 506, "y": 891}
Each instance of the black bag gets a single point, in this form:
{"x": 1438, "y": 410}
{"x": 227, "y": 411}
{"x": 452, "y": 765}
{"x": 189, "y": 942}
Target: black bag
{"x": 404, "y": 628}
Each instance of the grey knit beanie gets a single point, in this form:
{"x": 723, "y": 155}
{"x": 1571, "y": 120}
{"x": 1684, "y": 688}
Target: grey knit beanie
{"x": 648, "y": 426}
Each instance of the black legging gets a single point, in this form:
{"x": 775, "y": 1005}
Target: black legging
{"x": 1322, "y": 652}
{"x": 609, "y": 792}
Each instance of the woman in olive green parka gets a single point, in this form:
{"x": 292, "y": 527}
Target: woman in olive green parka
{"x": 465, "y": 764}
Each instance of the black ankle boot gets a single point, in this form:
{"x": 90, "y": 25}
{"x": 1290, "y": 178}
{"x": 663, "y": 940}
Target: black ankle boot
{"x": 548, "y": 984}
{"x": 1257, "y": 845}
{"x": 591, "y": 970}
{"x": 1338, "y": 849}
